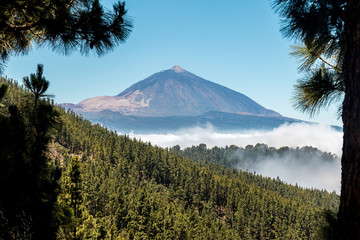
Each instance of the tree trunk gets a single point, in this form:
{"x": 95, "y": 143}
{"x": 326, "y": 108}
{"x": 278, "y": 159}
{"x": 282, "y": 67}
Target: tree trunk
{"x": 349, "y": 212}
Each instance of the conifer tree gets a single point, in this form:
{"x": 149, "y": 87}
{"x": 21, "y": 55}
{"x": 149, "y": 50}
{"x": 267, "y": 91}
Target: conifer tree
{"x": 63, "y": 25}
{"x": 334, "y": 25}
{"x": 29, "y": 181}
{"x": 71, "y": 199}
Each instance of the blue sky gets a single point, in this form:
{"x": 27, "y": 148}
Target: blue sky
{"x": 235, "y": 43}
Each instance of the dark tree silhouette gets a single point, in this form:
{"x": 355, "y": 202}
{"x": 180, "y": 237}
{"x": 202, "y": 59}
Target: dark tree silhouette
{"x": 3, "y": 89}
{"x": 335, "y": 25}
{"x": 29, "y": 181}
{"x": 37, "y": 83}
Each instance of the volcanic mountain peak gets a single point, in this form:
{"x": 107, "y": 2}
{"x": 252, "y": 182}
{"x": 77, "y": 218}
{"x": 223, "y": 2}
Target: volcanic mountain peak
{"x": 177, "y": 69}
{"x": 175, "y": 92}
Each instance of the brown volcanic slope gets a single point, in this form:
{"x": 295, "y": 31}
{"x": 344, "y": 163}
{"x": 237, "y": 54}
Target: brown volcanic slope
{"x": 174, "y": 92}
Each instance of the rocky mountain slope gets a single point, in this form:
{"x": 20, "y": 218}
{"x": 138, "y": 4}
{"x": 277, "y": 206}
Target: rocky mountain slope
{"x": 174, "y": 99}
{"x": 174, "y": 92}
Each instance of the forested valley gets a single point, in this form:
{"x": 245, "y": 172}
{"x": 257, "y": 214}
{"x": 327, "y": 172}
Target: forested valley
{"x": 91, "y": 183}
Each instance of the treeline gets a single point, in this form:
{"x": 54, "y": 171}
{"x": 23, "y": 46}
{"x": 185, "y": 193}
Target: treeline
{"x": 253, "y": 158}
{"x": 115, "y": 187}
{"x": 239, "y": 157}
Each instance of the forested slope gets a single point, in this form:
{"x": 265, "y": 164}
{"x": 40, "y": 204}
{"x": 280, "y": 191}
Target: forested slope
{"x": 115, "y": 187}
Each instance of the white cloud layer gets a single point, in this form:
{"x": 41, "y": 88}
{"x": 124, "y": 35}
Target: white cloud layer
{"x": 320, "y": 136}
{"x": 294, "y": 135}
{"x": 309, "y": 173}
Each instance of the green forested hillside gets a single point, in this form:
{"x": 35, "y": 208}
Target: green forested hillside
{"x": 115, "y": 187}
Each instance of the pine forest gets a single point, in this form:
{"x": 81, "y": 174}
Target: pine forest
{"x": 91, "y": 183}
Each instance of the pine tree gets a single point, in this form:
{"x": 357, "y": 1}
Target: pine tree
{"x": 63, "y": 25}
{"x": 29, "y": 180}
{"x": 334, "y": 26}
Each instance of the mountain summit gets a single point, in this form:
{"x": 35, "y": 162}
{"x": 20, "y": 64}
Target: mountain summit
{"x": 175, "y": 92}
{"x": 177, "y": 69}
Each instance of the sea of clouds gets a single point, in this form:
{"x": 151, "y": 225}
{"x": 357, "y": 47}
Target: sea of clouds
{"x": 310, "y": 174}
